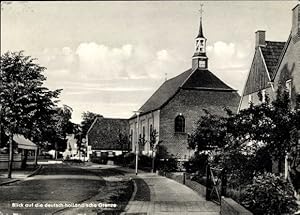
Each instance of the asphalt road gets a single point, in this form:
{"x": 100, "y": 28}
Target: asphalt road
{"x": 55, "y": 185}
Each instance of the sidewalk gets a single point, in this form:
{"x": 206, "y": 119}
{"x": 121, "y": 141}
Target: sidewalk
{"x": 17, "y": 175}
{"x": 170, "y": 197}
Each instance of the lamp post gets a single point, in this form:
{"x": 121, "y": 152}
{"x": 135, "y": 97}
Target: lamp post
{"x": 0, "y": 124}
{"x": 137, "y": 143}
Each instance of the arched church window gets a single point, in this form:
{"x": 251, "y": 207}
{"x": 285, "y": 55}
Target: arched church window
{"x": 179, "y": 124}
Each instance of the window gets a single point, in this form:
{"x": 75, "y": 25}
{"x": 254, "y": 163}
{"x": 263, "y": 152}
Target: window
{"x": 144, "y": 133}
{"x": 250, "y": 99}
{"x": 263, "y": 95}
{"x": 180, "y": 124}
{"x": 151, "y": 129}
{"x": 131, "y": 136}
{"x": 288, "y": 85}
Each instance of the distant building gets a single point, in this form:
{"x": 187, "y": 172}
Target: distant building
{"x": 72, "y": 148}
{"x": 178, "y": 104}
{"x": 275, "y": 65}
{"x": 107, "y": 135}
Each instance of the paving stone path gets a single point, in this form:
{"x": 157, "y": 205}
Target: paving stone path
{"x": 170, "y": 197}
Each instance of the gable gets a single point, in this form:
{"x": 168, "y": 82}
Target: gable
{"x": 258, "y": 77}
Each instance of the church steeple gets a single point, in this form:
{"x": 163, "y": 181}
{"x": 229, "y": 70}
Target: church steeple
{"x": 200, "y": 35}
{"x": 199, "y": 60}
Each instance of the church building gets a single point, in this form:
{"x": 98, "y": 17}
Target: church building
{"x": 175, "y": 107}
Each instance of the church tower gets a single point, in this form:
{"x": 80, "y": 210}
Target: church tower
{"x": 199, "y": 59}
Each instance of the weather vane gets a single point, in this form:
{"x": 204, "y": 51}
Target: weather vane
{"x": 201, "y": 10}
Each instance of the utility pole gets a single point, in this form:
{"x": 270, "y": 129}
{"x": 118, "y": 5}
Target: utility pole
{"x": 0, "y": 124}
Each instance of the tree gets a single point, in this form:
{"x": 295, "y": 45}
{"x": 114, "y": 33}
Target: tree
{"x": 152, "y": 142}
{"x": 24, "y": 99}
{"x": 62, "y": 126}
{"x": 87, "y": 120}
{"x": 123, "y": 141}
{"x": 260, "y": 133}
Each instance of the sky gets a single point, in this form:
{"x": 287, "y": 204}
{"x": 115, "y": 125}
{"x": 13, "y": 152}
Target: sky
{"x": 109, "y": 57}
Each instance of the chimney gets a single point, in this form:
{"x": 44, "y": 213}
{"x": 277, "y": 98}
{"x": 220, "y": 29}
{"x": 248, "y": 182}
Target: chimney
{"x": 296, "y": 20}
{"x": 260, "y": 38}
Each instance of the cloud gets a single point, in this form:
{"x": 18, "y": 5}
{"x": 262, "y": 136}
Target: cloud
{"x": 90, "y": 60}
{"x": 230, "y": 61}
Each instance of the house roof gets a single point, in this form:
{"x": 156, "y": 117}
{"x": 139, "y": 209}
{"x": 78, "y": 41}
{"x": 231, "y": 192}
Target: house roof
{"x": 105, "y": 133}
{"x": 24, "y": 143}
{"x": 271, "y": 53}
{"x": 197, "y": 79}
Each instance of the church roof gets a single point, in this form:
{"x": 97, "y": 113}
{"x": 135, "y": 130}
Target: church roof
{"x": 197, "y": 79}
{"x": 165, "y": 92}
{"x": 271, "y": 53}
{"x": 204, "y": 79}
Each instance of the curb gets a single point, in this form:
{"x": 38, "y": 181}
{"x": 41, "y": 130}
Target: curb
{"x": 9, "y": 182}
{"x": 134, "y": 190}
{"x": 35, "y": 171}
{"x": 16, "y": 180}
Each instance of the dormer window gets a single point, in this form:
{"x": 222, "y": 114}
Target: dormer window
{"x": 179, "y": 124}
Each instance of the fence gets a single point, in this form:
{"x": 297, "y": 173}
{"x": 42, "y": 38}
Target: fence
{"x": 4, "y": 158}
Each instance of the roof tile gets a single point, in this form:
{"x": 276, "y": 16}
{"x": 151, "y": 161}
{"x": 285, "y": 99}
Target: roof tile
{"x": 271, "y": 53}
{"x": 199, "y": 79}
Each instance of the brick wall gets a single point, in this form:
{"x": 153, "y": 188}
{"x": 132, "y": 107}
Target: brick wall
{"x": 146, "y": 120}
{"x": 190, "y": 103}
{"x": 255, "y": 99}
{"x": 290, "y": 67}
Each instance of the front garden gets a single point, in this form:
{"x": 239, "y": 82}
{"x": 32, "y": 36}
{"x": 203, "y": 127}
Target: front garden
{"x": 253, "y": 154}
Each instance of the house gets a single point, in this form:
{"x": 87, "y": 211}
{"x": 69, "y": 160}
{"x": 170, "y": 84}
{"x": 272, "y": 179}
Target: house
{"x": 107, "y": 135}
{"x": 72, "y": 149}
{"x": 22, "y": 148}
{"x": 175, "y": 107}
{"x": 275, "y": 65}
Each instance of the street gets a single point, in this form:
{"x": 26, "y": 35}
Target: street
{"x": 56, "y": 188}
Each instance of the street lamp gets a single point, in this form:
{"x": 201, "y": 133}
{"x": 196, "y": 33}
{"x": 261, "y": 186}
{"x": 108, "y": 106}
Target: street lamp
{"x": 137, "y": 142}
{"x": 0, "y": 124}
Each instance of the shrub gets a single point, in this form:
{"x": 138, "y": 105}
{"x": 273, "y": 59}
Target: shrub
{"x": 168, "y": 165}
{"x": 101, "y": 160}
{"x": 269, "y": 194}
{"x": 145, "y": 161}
{"x": 129, "y": 158}
{"x": 197, "y": 163}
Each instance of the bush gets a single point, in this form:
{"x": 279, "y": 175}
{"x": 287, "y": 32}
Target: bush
{"x": 167, "y": 165}
{"x": 269, "y": 194}
{"x": 128, "y": 159}
{"x": 119, "y": 160}
{"x": 73, "y": 161}
{"x": 197, "y": 163}
{"x": 145, "y": 161}
{"x": 100, "y": 160}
